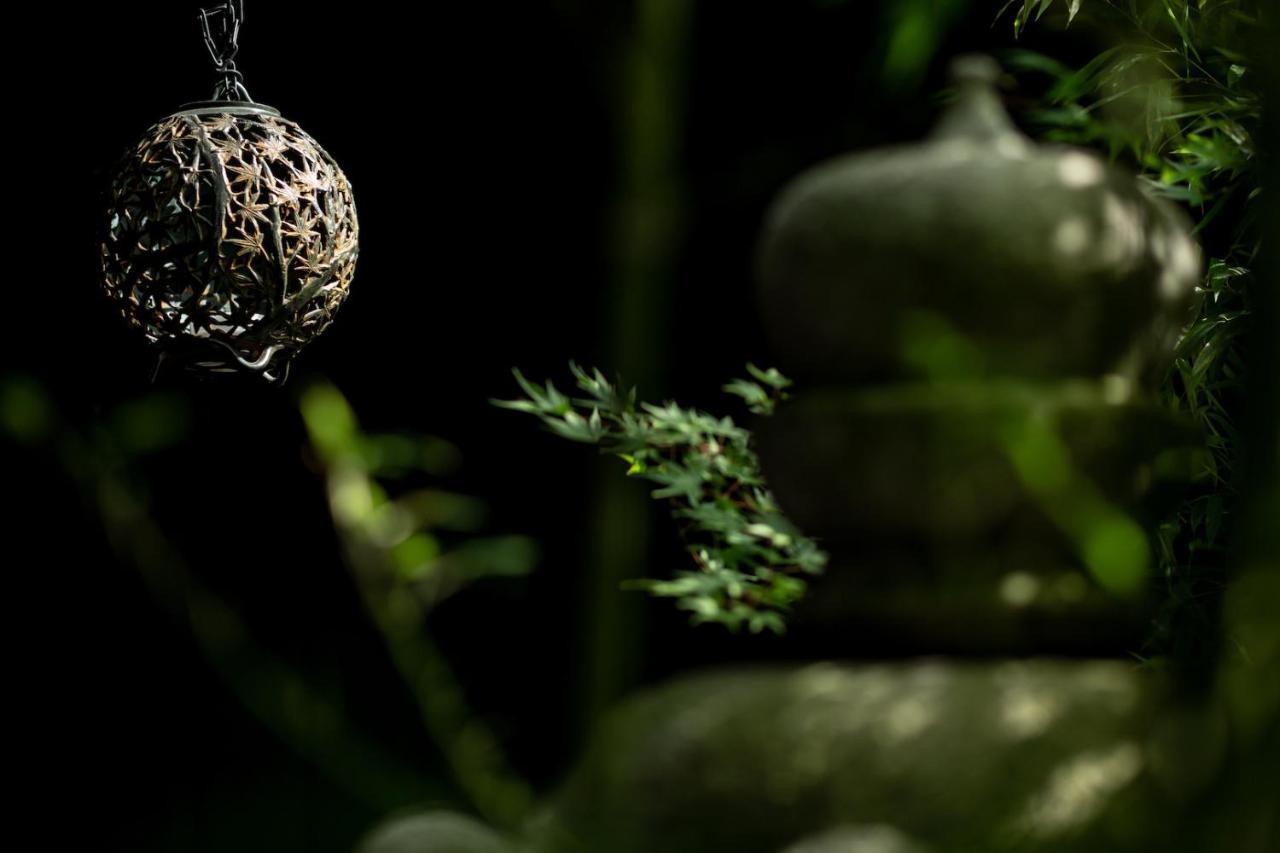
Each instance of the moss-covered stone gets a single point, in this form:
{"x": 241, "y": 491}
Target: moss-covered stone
{"x": 939, "y": 461}
{"x": 962, "y": 757}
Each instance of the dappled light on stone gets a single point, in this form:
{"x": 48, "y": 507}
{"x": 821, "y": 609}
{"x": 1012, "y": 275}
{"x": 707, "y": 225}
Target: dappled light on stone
{"x": 1079, "y": 170}
{"x": 1071, "y": 237}
{"x": 435, "y": 832}
{"x": 949, "y": 750}
{"x": 868, "y": 839}
{"x": 1018, "y": 589}
{"x": 1123, "y": 239}
{"x": 1080, "y": 788}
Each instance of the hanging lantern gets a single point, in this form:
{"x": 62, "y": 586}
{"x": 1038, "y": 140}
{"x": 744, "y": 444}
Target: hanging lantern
{"x": 232, "y": 235}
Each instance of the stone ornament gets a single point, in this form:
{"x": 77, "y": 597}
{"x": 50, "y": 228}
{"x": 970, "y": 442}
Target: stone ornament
{"x": 1052, "y": 261}
{"x": 978, "y": 324}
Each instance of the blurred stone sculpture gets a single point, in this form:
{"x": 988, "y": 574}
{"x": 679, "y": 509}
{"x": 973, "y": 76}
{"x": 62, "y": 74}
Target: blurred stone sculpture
{"x": 434, "y": 832}
{"x": 1047, "y": 259}
{"x": 979, "y": 322}
{"x": 1011, "y": 755}
{"x": 976, "y": 322}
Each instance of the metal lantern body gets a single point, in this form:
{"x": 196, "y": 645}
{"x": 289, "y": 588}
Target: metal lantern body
{"x": 232, "y": 238}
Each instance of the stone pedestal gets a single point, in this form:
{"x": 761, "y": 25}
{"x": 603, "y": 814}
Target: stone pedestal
{"x": 1010, "y": 755}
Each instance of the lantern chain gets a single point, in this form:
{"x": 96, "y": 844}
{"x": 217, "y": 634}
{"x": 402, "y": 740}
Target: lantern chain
{"x": 221, "y": 26}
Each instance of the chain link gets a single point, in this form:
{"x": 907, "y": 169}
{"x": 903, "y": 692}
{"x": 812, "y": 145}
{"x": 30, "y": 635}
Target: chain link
{"x": 221, "y": 26}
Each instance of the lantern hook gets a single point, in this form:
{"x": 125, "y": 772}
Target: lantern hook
{"x": 221, "y": 27}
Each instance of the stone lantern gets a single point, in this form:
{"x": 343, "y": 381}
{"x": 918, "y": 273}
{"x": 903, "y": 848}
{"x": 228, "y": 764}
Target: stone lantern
{"x": 976, "y": 323}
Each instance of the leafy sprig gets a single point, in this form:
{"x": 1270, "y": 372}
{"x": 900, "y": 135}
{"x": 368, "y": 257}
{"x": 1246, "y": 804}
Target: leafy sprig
{"x": 749, "y": 560}
{"x": 1179, "y": 100}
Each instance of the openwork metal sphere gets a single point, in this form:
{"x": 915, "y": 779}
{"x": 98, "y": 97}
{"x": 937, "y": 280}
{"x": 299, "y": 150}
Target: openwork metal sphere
{"x": 232, "y": 238}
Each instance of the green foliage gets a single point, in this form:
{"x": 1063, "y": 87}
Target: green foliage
{"x": 411, "y": 535}
{"x": 25, "y": 411}
{"x": 411, "y": 545}
{"x": 1112, "y": 545}
{"x": 107, "y": 463}
{"x": 914, "y": 30}
{"x": 1178, "y": 100}
{"x": 1175, "y": 99}
{"x": 750, "y": 560}
{"x": 1033, "y": 10}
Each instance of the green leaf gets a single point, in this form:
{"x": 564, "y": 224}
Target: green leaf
{"x": 329, "y": 421}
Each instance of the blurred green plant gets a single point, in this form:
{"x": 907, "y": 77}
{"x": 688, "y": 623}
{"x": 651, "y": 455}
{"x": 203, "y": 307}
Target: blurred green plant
{"x": 106, "y": 465}
{"x": 750, "y": 560}
{"x": 1178, "y": 100}
{"x": 1033, "y": 10}
{"x": 914, "y": 30}
{"x": 1110, "y": 544}
{"x": 426, "y": 539}
{"x": 410, "y": 548}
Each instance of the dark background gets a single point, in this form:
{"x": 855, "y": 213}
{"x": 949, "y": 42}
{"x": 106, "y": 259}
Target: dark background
{"x": 484, "y": 144}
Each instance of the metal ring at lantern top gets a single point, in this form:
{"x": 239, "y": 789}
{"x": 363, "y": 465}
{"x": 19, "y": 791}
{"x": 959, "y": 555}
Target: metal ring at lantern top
{"x": 231, "y": 107}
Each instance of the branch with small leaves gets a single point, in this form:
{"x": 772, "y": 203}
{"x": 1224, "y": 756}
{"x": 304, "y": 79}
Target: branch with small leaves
{"x": 1034, "y": 10}
{"x": 750, "y": 561}
{"x": 1178, "y": 100}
